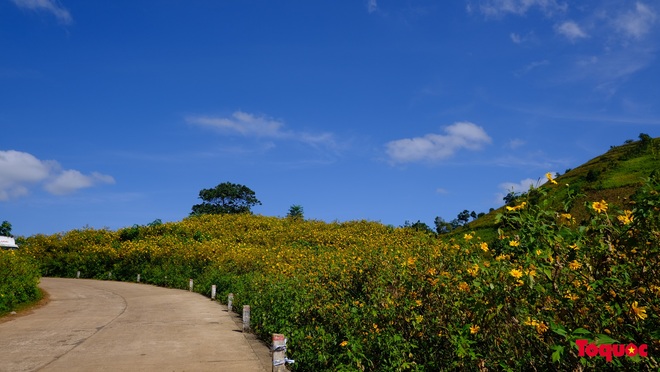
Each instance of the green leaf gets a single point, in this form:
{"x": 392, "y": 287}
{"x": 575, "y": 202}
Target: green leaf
{"x": 547, "y": 272}
{"x": 581, "y": 331}
{"x": 605, "y": 339}
{"x": 558, "y": 351}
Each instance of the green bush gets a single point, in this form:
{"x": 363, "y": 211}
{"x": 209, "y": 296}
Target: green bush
{"x": 19, "y": 277}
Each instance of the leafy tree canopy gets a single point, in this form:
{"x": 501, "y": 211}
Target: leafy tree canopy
{"x": 5, "y": 228}
{"x": 226, "y": 198}
{"x": 296, "y": 212}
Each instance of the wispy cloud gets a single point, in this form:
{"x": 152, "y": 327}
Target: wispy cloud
{"x": 570, "y": 30}
{"x": 500, "y": 8}
{"x": 518, "y": 187}
{"x": 617, "y": 32}
{"x": 531, "y": 66}
{"x": 50, "y": 6}
{"x": 250, "y": 125}
{"x": 637, "y": 22}
{"x": 18, "y": 170}
{"x": 372, "y": 6}
{"x": 434, "y": 147}
{"x": 515, "y": 143}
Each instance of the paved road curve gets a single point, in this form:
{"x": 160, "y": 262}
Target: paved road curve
{"x": 93, "y": 325}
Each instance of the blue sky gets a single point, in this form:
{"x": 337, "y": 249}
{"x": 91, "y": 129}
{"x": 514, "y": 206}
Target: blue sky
{"x": 114, "y": 113}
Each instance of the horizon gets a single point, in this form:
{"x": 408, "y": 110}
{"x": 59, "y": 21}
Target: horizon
{"x": 116, "y": 114}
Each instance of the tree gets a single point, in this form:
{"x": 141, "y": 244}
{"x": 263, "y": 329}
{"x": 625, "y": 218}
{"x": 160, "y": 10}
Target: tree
{"x": 418, "y": 226}
{"x": 5, "y": 228}
{"x": 226, "y": 198}
{"x": 463, "y": 217}
{"x": 442, "y": 226}
{"x": 295, "y": 212}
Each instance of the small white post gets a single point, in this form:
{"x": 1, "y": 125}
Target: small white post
{"x": 78, "y": 275}
{"x": 279, "y": 353}
{"x": 246, "y": 318}
{"x": 213, "y": 292}
{"x": 110, "y": 275}
{"x": 190, "y": 284}
{"x": 138, "y": 278}
{"x": 230, "y": 301}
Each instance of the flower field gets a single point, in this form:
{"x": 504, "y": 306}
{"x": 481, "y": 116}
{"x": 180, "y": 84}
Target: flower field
{"x": 364, "y": 296}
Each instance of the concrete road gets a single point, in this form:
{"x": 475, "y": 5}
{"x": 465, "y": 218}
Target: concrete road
{"x": 93, "y": 325}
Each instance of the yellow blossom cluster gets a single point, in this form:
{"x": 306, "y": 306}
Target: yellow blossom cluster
{"x": 540, "y": 326}
{"x": 517, "y": 207}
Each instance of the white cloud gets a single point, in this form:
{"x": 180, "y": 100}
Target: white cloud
{"x": 636, "y": 23}
{"x": 71, "y": 180}
{"x": 18, "y": 170}
{"x": 518, "y": 187}
{"x": 432, "y": 147}
{"x": 242, "y": 123}
{"x": 51, "y": 6}
{"x": 499, "y": 8}
{"x": 372, "y": 6}
{"x": 570, "y": 30}
{"x": 249, "y": 125}
{"x": 517, "y": 39}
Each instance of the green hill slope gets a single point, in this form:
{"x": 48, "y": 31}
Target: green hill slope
{"x": 614, "y": 177}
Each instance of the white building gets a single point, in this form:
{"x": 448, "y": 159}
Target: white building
{"x": 7, "y": 243}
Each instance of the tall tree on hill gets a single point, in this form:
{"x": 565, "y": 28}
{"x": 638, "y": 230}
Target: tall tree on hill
{"x": 5, "y": 228}
{"x": 226, "y": 198}
{"x": 296, "y": 212}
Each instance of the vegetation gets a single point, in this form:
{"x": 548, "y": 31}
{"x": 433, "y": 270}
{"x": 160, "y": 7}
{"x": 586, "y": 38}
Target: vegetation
{"x": 296, "y": 212}
{"x": 512, "y": 290}
{"x": 5, "y": 228}
{"x": 226, "y": 198}
{"x": 19, "y": 277}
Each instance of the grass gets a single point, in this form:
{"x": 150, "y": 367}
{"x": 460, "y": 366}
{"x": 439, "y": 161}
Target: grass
{"x": 613, "y": 176}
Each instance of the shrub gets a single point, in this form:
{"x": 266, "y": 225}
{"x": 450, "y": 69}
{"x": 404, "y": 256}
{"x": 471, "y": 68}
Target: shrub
{"x": 19, "y": 278}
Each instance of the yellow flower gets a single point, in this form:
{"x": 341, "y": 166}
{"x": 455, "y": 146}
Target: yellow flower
{"x": 514, "y": 243}
{"x": 467, "y": 236}
{"x": 473, "y": 270}
{"x": 574, "y": 246}
{"x": 517, "y": 207}
{"x": 571, "y": 296}
{"x": 626, "y": 218}
{"x": 574, "y": 265}
{"x": 501, "y": 257}
{"x": 484, "y": 246}
{"x": 463, "y": 286}
{"x": 474, "y": 329}
{"x": 639, "y": 311}
{"x": 549, "y": 177}
{"x": 566, "y": 216}
{"x": 541, "y": 327}
{"x": 343, "y": 343}
{"x": 516, "y": 273}
{"x": 600, "y": 206}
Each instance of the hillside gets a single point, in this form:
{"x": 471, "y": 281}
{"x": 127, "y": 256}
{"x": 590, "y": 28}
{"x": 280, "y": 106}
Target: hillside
{"x": 364, "y": 296}
{"x": 614, "y": 176}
